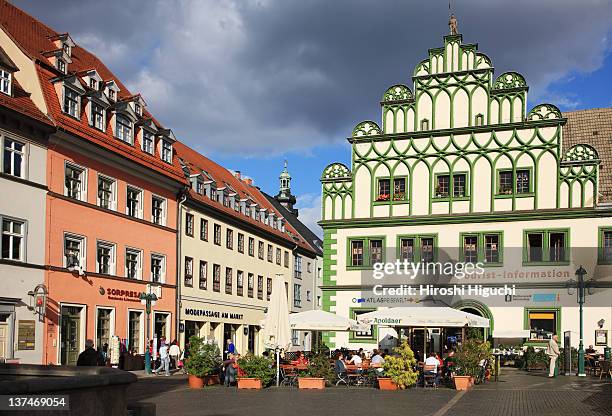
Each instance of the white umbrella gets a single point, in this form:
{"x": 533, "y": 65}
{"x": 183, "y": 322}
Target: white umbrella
{"x": 318, "y": 320}
{"x": 442, "y": 316}
{"x": 276, "y": 331}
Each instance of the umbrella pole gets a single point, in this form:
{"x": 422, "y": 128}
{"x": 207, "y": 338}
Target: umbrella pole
{"x": 277, "y": 367}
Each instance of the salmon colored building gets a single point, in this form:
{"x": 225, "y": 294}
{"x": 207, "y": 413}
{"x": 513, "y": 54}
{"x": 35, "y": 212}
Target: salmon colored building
{"x": 113, "y": 183}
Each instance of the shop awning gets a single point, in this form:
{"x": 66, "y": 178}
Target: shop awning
{"x": 517, "y": 333}
{"x": 431, "y": 317}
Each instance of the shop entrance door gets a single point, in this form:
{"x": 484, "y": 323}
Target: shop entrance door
{"x": 4, "y": 328}
{"x": 228, "y": 333}
{"x": 70, "y": 335}
{"x": 252, "y": 337}
{"x": 192, "y": 328}
{"x": 161, "y": 320}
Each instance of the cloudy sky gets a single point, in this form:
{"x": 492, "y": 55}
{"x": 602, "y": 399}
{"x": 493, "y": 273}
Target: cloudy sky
{"x": 252, "y": 82}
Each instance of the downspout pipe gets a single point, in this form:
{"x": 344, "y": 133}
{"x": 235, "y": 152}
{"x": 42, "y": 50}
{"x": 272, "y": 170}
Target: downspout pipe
{"x": 182, "y": 197}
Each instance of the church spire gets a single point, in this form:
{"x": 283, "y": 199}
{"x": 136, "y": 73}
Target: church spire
{"x": 284, "y": 195}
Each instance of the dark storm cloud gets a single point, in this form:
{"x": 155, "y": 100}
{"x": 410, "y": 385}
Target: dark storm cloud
{"x": 266, "y": 76}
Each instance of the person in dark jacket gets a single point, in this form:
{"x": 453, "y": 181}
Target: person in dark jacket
{"x": 89, "y": 357}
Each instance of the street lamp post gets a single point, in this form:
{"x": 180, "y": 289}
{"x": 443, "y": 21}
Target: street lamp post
{"x": 580, "y": 295}
{"x": 148, "y": 299}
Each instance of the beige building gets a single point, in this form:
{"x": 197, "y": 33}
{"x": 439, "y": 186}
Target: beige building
{"x": 232, "y": 244}
{"x": 24, "y": 134}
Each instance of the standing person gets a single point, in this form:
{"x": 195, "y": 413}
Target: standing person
{"x": 230, "y": 370}
{"x": 164, "y": 358}
{"x": 231, "y": 348}
{"x": 89, "y": 357}
{"x": 553, "y": 353}
{"x": 175, "y": 353}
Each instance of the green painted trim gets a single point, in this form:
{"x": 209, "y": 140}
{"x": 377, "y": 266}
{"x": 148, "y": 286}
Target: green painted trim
{"x": 367, "y": 265}
{"x": 374, "y": 338}
{"x": 600, "y": 245}
{"x": 480, "y": 246}
{"x": 546, "y": 246}
{"x": 527, "y": 309}
{"x": 482, "y": 308}
{"x": 417, "y": 245}
{"x": 532, "y": 215}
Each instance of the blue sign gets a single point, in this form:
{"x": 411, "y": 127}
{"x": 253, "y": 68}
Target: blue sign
{"x": 544, "y": 297}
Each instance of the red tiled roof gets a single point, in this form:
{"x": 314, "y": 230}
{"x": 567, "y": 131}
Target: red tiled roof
{"x": 198, "y": 163}
{"x": 34, "y": 38}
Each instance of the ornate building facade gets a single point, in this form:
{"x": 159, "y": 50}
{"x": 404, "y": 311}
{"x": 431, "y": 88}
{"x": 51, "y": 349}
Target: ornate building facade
{"x": 462, "y": 169}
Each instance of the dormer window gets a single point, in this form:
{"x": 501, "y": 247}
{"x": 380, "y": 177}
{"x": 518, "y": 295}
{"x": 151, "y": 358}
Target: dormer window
{"x": 111, "y": 94}
{"x": 138, "y": 109}
{"x": 147, "y": 141}
{"x": 61, "y": 66}
{"x": 66, "y": 48}
{"x": 98, "y": 116}
{"x": 124, "y": 130}
{"x": 93, "y": 84}
{"x": 5, "y": 82}
{"x": 166, "y": 151}
{"x": 199, "y": 187}
{"x": 71, "y": 102}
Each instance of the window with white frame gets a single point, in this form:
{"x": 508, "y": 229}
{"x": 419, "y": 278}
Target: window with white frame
{"x": 148, "y": 141}
{"x": 166, "y": 151}
{"x": 123, "y": 128}
{"x": 105, "y": 258}
{"x": 13, "y": 157}
{"x": 203, "y": 275}
{"x": 75, "y": 182}
{"x": 13, "y": 238}
{"x": 189, "y": 271}
{"x": 5, "y": 81}
{"x": 297, "y": 266}
{"x": 74, "y": 251}
{"x": 106, "y": 192}
{"x": 134, "y": 202}
{"x": 133, "y": 263}
{"x": 98, "y": 116}
{"x": 61, "y": 65}
{"x": 158, "y": 210}
{"x": 71, "y": 102}
{"x": 158, "y": 268}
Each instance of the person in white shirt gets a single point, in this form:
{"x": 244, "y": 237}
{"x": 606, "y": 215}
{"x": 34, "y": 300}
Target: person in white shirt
{"x": 356, "y": 360}
{"x": 377, "y": 359}
{"x": 164, "y": 358}
{"x": 432, "y": 360}
{"x": 175, "y": 353}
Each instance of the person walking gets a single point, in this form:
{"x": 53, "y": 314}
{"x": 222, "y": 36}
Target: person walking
{"x": 175, "y": 353}
{"x": 89, "y": 356}
{"x": 230, "y": 348}
{"x": 553, "y": 353}
{"x": 164, "y": 358}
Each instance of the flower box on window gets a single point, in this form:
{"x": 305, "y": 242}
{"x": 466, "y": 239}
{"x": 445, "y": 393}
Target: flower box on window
{"x": 399, "y": 196}
{"x": 383, "y": 197}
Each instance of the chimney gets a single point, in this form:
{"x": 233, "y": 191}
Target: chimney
{"x": 237, "y": 174}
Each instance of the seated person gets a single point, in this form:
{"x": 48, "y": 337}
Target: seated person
{"x": 355, "y": 360}
{"x": 301, "y": 360}
{"x": 433, "y": 361}
{"x": 590, "y": 350}
{"x": 449, "y": 362}
{"x": 339, "y": 366}
{"x": 377, "y": 359}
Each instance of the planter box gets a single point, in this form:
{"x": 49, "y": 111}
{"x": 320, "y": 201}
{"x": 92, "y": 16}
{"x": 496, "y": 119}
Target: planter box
{"x": 196, "y": 382}
{"x": 249, "y": 383}
{"x": 311, "y": 383}
{"x": 385, "y": 383}
{"x": 463, "y": 382}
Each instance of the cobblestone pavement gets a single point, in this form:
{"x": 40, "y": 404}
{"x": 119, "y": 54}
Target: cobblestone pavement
{"x": 517, "y": 393}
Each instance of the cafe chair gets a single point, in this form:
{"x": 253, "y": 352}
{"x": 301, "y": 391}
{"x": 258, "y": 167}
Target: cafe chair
{"x": 430, "y": 377}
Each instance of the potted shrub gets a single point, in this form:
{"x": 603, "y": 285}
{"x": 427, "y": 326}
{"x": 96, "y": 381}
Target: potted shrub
{"x": 399, "y": 369}
{"x": 318, "y": 373}
{"x": 467, "y": 360}
{"x": 258, "y": 372}
{"x": 203, "y": 363}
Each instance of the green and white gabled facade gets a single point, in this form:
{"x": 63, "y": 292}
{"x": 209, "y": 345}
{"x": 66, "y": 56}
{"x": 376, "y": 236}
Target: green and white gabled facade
{"x": 458, "y": 118}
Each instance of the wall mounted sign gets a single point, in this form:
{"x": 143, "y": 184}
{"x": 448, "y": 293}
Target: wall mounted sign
{"x": 601, "y": 337}
{"x": 123, "y": 295}
{"x": 213, "y": 314}
{"x": 26, "y": 335}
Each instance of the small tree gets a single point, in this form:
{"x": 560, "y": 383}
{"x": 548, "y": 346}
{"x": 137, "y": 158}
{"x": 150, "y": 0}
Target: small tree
{"x": 204, "y": 358}
{"x": 319, "y": 367}
{"x": 469, "y": 356}
{"x": 401, "y": 367}
{"x": 257, "y": 367}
